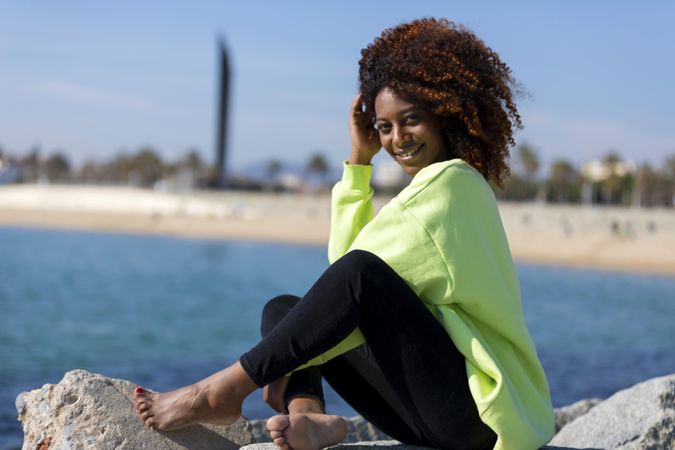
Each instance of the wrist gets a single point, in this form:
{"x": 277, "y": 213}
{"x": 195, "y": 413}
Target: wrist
{"x": 357, "y": 158}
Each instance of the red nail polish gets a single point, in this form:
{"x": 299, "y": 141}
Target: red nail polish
{"x": 139, "y": 390}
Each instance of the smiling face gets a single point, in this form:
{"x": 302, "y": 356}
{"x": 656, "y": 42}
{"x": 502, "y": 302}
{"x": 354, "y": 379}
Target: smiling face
{"x": 411, "y": 135}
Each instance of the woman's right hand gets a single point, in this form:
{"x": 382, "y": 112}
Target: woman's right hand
{"x": 365, "y": 139}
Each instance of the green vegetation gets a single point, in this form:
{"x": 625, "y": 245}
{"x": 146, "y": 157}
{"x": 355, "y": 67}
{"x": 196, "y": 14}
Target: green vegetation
{"x": 609, "y": 181}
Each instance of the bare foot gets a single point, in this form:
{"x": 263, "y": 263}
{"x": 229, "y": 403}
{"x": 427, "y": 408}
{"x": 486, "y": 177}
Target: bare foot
{"x": 306, "y": 431}
{"x": 216, "y": 400}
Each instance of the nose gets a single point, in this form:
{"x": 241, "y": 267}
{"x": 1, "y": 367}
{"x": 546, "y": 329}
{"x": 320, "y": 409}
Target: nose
{"x": 401, "y": 136}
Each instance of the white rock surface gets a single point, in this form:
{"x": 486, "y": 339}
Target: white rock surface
{"x": 90, "y": 411}
{"x": 641, "y": 417}
{"x": 568, "y": 413}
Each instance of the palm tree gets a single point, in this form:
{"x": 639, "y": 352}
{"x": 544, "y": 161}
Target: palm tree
{"x": 119, "y": 169}
{"x": 318, "y": 164}
{"x": 192, "y": 165}
{"x": 30, "y": 165}
{"x": 148, "y": 165}
{"x": 529, "y": 162}
{"x": 58, "y": 167}
{"x": 669, "y": 167}
{"x": 563, "y": 175}
{"x": 669, "y": 170}
{"x": 89, "y": 172}
{"x": 273, "y": 169}
{"x": 611, "y": 186}
{"x": 193, "y": 161}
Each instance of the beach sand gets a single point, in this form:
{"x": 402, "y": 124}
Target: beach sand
{"x": 634, "y": 240}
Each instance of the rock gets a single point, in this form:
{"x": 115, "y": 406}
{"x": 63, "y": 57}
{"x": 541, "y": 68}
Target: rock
{"x": 568, "y": 413}
{"x": 641, "y": 417}
{"x": 360, "y": 430}
{"x": 87, "y": 410}
{"x": 259, "y": 431}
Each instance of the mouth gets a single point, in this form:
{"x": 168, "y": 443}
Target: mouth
{"x": 409, "y": 154}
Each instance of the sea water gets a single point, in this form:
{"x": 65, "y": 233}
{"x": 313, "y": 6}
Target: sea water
{"x": 164, "y": 312}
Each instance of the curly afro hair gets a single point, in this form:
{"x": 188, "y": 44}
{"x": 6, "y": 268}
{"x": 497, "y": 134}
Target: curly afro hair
{"x": 446, "y": 69}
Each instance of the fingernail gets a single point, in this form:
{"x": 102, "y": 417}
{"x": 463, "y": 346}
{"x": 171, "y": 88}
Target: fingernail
{"x": 139, "y": 390}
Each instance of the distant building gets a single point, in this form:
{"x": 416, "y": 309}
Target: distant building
{"x": 290, "y": 182}
{"x": 389, "y": 177}
{"x": 10, "y": 171}
{"x": 598, "y": 170}
{"x": 183, "y": 180}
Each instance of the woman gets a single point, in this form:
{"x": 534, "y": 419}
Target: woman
{"x": 417, "y": 323}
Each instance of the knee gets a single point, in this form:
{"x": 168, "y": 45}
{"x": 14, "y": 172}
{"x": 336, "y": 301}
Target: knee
{"x": 361, "y": 259}
{"x": 275, "y": 310}
{"x": 280, "y": 305}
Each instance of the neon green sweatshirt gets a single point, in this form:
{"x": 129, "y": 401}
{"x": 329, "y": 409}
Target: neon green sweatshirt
{"x": 443, "y": 235}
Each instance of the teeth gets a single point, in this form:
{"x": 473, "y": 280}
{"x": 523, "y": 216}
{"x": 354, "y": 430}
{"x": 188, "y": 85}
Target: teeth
{"x": 408, "y": 153}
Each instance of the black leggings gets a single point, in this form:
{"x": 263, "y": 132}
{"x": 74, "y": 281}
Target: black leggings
{"x": 408, "y": 380}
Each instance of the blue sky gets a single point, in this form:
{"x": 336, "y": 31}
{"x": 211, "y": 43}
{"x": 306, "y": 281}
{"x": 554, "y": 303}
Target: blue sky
{"x": 95, "y": 78}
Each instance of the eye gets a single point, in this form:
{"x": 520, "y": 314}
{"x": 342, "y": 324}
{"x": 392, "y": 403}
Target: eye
{"x": 412, "y": 119}
{"x": 382, "y": 127}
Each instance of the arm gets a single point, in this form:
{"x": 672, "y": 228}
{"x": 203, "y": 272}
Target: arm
{"x": 351, "y": 209}
{"x": 351, "y": 205}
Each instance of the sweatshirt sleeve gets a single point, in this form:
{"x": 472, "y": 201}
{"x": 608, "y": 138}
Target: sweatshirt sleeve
{"x": 351, "y": 208}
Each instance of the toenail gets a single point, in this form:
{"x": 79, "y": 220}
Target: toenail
{"x": 139, "y": 390}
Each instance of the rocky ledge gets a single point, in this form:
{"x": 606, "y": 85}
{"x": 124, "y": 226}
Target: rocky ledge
{"x": 90, "y": 411}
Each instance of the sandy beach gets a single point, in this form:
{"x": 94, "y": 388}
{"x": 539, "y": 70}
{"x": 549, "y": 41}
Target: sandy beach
{"x": 635, "y": 240}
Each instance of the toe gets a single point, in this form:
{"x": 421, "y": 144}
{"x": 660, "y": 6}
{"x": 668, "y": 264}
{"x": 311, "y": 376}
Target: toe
{"x": 141, "y": 408}
{"x": 140, "y": 399}
{"x": 146, "y": 415}
{"x": 275, "y": 434}
{"x": 278, "y": 423}
{"x": 279, "y": 441}
{"x": 139, "y": 392}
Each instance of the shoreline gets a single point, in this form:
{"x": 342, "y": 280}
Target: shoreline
{"x": 615, "y": 239}
{"x": 153, "y": 225}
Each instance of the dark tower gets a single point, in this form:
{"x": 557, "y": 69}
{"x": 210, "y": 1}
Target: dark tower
{"x": 221, "y": 124}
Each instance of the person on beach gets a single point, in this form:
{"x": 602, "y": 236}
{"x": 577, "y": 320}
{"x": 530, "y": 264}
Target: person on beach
{"x": 417, "y": 322}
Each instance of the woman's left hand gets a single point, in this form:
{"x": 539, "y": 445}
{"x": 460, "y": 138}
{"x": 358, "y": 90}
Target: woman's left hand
{"x": 273, "y": 394}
